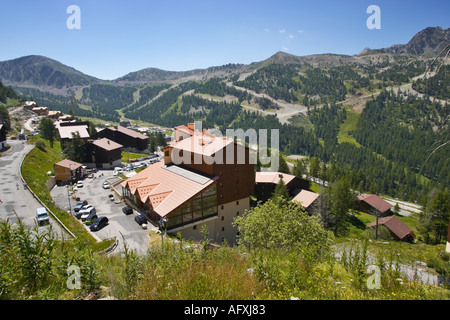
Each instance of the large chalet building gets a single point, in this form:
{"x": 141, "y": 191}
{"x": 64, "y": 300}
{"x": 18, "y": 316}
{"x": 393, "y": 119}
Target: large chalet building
{"x": 126, "y": 137}
{"x": 201, "y": 181}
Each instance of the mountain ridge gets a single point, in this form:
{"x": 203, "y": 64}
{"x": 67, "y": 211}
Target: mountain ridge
{"x": 36, "y": 70}
{"x": 47, "y": 74}
{"x": 428, "y": 42}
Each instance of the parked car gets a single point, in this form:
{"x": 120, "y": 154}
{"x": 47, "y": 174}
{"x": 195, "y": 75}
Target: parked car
{"x": 79, "y": 205}
{"x": 82, "y": 210}
{"x": 105, "y": 185}
{"x": 87, "y": 212}
{"x": 90, "y": 219}
{"x": 42, "y": 216}
{"x": 140, "y": 219}
{"x": 99, "y": 223}
{"x": 80, "y": 184}
{"x": 127, "y": 210}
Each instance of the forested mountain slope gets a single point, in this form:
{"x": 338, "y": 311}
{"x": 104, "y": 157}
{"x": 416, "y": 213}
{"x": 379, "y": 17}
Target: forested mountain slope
{"x": 395, "y": 140}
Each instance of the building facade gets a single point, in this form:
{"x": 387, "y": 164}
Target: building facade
{"x": 202, "y": 180}
{"x": 103, "y": 153}
{"x": 67, "y": 171}
{"x": 126, "y": 137}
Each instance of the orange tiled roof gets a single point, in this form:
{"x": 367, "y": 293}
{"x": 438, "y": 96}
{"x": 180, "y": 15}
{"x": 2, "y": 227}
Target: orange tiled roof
{"x": 203, "y": 144}
{"x": 167, "y": 187}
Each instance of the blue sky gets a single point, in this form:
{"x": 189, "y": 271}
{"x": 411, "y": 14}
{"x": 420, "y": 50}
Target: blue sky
{"x": 118, "y": 37}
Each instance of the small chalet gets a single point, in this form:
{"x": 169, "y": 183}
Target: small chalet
{"x": 29, "y": 105}
{"x": 67, "y": 129}
{"x": 265, "y": 183}
{"x": 306, "y": 199}
{"x": 103, "y": 153}
{"x": 373, "y": 204}
{"x": 67, "y": 170}
{"x": 398, "y": 230}
{"x": 54, "y": 114}
{"x": 126, "y": 137}
{"x": 42, "y": 111}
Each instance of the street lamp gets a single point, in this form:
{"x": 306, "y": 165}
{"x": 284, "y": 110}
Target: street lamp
{"x": 68, "y": 196}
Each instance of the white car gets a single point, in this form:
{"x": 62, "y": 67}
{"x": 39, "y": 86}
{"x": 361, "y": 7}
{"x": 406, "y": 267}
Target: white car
{"x": 79, "y": 184}
{"x": 87, "y": 212}
{"x": 105, "y": 185}
{"x": 83, "y": 210}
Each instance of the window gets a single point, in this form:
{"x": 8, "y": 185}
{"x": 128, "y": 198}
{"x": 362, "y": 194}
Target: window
{"x": 210, "y": 191}
{"x": 223, "y": 229}
{"x": 166, "y": 153}
{"x": 197, "y": 214}
{"x": 187, "y": 217}
{"x": 210, "y": 201}
{"x": 197, "y": 204}
{"x": 237, "y": 202}
{"x": 209, "y": 211}
{"x": 223, "y": 218}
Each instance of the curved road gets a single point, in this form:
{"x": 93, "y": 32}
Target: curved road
{"x": 17, "y": 201}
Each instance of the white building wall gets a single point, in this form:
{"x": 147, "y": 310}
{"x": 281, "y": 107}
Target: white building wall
{"x": 219, "y": 227}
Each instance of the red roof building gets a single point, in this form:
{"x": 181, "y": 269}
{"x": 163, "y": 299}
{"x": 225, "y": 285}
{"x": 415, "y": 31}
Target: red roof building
{"x": 373, "y": 204}
{"x": 396, "y": 227}
{"x": 126, "y": 137}
{"x": 306, "y": 199}
{"x": 67, "y": 171}
{"x": 195, "y": 185}
{"x": 104, "y": 153}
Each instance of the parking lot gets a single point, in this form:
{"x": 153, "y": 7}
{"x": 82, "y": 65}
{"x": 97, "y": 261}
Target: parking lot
{"x": 120, "y": 225}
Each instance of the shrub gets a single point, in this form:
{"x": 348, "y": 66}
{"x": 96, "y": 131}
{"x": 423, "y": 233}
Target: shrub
{"x": 40, "y": 145}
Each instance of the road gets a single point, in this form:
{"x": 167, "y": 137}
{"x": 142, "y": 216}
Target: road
{"x": 17, "y": 201}
{"x": 406, "y": 208}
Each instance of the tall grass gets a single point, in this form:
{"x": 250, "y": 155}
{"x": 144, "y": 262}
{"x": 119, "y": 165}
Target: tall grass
{"x": 33, "y": 265}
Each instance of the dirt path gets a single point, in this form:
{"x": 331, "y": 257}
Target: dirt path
{"x": 286, "y": 109}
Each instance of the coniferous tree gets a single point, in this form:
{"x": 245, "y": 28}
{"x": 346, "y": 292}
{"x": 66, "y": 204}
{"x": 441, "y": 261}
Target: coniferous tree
{"x": 48, "y": 130}
{"x": 280, "y": 191}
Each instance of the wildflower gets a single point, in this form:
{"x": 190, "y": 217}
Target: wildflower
{"x": 393, "y": 293}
